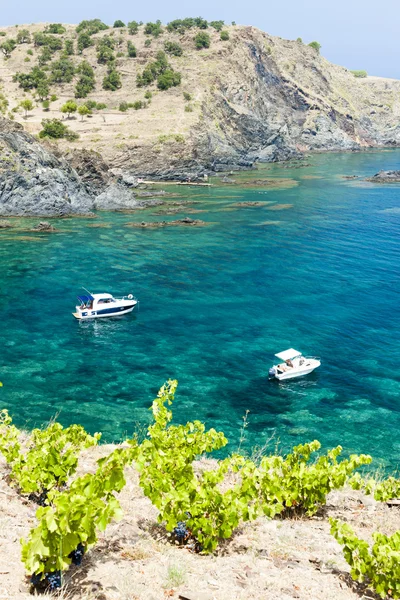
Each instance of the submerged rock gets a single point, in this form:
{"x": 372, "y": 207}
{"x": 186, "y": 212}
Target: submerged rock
{"x": 43, "y": 226}
{"x": 385, "y": 177}
{"x": 5, "y": 224}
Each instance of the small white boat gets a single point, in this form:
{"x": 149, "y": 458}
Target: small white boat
{"x": 93, "y": 306}
{"x": 294, "y": 365}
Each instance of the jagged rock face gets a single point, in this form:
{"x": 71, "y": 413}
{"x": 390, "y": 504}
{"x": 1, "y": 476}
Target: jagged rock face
{"x": 33, "y": 181}
{"x": 386, "y": 177}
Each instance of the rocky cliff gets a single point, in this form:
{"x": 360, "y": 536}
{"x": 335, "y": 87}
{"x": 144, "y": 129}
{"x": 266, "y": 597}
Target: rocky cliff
{"x": 253, "y": 97}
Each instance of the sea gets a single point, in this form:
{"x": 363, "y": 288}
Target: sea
{"x": 303, "y": 254}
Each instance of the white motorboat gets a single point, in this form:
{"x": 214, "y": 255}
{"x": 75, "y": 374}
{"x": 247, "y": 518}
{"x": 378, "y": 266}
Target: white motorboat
{"x": 294, "y": 365}
{"x": 93, "y": 306}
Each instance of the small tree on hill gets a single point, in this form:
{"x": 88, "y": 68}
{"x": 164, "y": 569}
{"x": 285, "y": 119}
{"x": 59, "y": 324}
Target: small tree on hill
{"x": 26, "y": 105}
{"x": 23, "y": 36}
{"x": 133, "y": 27}
{"x": 316, "y": 46}
{"x": 7, "y": 47}
{"x": 224, "y": 35}
{"x": 112, "y": 81}
{"x": 202, "y": 40}
{"x": 83, "y": 110}
{"x": 132, "y": 52}
{"x": 69, "y": 108}
{"x": 119, "y": 23}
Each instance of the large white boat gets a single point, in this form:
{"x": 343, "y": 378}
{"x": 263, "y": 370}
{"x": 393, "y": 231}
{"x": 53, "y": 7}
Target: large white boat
{"x": 93, "y": 306}
{"x": 294, "y": 365}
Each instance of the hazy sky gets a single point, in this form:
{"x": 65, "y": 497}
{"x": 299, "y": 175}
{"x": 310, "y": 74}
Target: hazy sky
{"x": 359, "y": 34}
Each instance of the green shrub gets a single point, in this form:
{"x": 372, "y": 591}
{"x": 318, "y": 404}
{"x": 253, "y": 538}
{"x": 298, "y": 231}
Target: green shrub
{"x": 8, "y": 47}
{"x": 2, "y": 34}
{"x": 124, "y": 106}
{"x": 86, "y": 82}
{"x": 45, "y": 56}
{"x": 359, "y": 74}
{"x": 224, "y": 36}
{"x": 101, "y": 106}
{"x": 187, "y": 96}
{"x": 69, "y": 108}
{"x": 173, "y": 48}
{"x": 62, "y": 71}
{"x": 91, "y": 27}
{"x": 55, "y": 129}
{"x": 30, "y": 52}
{"x": 84, "y": 41}
{"x": 153, "y": 70}
{"x": 188, "y": 108}
{"x": 148, "y": 95}
{"x": 218, "y": 25}
{"x": 137, "y": 104}
{"x": 133, "y": 27}
{"x": 168, "y": 79}
{"x": 112, "y": 81}
{"x": 27, "y": 59}
{"x": 23, "y": 37}
{"x": 378, "y": 567}
{"x": 132, "y": 52}
{"x": 153, "y": 29}
{"x": 53, "y": 98}
{"x": 299, "y": 39}
{"x": 119, "y": 23}
{"x": 181, "y": 25}
{"x": 52, "y": 42}
{"x": 68, "y": 47}
{"x": 105, "y": 47}
{"x": 56, "y": 28}
{"x": 29, "y": 81}
{"x": 84, "y": 111}
{"x": 46, "y": 105}
{"x": 147, "y": 43}
{"x": 316, "y": 46}
{"x": 202, "y": 40}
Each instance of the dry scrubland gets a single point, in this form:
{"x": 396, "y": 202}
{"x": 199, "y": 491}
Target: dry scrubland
{"x": 134, "y": 559}
{"x": 249, "y": 94}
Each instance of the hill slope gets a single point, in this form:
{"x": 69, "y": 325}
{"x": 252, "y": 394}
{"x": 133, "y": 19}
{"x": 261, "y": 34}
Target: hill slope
{"x": 254, "y": 97}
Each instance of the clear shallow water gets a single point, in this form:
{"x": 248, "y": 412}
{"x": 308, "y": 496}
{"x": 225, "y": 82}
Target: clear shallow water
{"x": 216, "y": 303}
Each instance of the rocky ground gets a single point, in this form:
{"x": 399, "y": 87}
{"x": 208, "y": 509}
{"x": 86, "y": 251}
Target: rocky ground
{"x": 135, "y": 560}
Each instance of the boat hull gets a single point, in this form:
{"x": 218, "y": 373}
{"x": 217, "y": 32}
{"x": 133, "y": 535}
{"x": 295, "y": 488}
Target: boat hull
{"x": 107, "y": 312}
{"x": 293, "y": 373}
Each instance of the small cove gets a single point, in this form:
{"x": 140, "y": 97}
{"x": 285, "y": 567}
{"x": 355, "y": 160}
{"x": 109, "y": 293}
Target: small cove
{"x": 310, "y": 263}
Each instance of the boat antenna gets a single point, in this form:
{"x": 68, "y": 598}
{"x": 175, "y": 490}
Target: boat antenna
{"x": 90, "y": 293}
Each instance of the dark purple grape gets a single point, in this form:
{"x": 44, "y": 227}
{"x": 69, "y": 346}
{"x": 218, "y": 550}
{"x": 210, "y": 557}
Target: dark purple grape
{"x": 77, "y": 555}
{"x": 180, "y": 531}
{"x": 54, "y": 580}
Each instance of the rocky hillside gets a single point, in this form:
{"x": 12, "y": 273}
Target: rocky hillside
{"x": 246, "y": 98}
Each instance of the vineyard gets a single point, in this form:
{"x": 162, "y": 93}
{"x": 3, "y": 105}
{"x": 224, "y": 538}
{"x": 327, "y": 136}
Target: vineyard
{"x": 80, "y": 512}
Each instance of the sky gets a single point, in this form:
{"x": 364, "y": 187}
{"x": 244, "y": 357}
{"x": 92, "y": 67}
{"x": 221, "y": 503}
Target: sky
{"x": 358, "y": 34}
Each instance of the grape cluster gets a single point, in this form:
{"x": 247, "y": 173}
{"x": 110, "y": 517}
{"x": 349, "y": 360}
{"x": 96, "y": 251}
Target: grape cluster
{"x": 77, "y": 555}
{"x": 39, "y": 498}
{"x": 51, "y": 581}
{"x": 181, "y": 532}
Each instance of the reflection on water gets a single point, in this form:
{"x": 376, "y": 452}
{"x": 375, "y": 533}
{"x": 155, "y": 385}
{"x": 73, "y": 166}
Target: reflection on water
{"x": 216, "y": 303}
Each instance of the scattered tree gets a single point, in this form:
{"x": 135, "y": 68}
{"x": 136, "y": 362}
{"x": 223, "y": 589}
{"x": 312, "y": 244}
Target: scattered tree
{"x": 29, "y": 81}
{"x": 23, "y": 36}
{"x": 91, "y": 27}
{"x": 132, "y": 52}
{"x": 168, "y": 79}
{"x": 45, "y": 56}
{"x": 148, "y": 95}
{"x": 173, "y": 48}
{"x": 202, "y": 40}
{"x": 112, "y": 81}
{"x": 218, "y": 25}
{"x": 56, "y": 28}
{"x": 43, "y": 39}
{"x": 84, "y": 41}
{"x": 7, "y": 47}
{"x": 69, "y": 108}
{"x": 133, "y": 27}
{"x": 187, "y": 96}
{"x": 68, "y": 47}
{"x": 27, "y": 106}
{"x": 153, "y": 29}
{"x": 86, "y": 82}
{"x": 62, "y": 71}
{"x": 46, "y": 105}
{"x": 55, "y": 129}
{"x": 42, "y": 89}
{"x": 299, "y": 39}
{"x": 123, "y": 107}
{"x": 147, "y": 42}
{"x": 83, "y": 110}
{"x": 316, "y": 46}
{"x": 224, "y": 35}
{"x": 119, "y": 23}
{"x": 105, "y": 47}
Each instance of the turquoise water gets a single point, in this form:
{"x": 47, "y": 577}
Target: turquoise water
{"x": 316, "y": 267}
